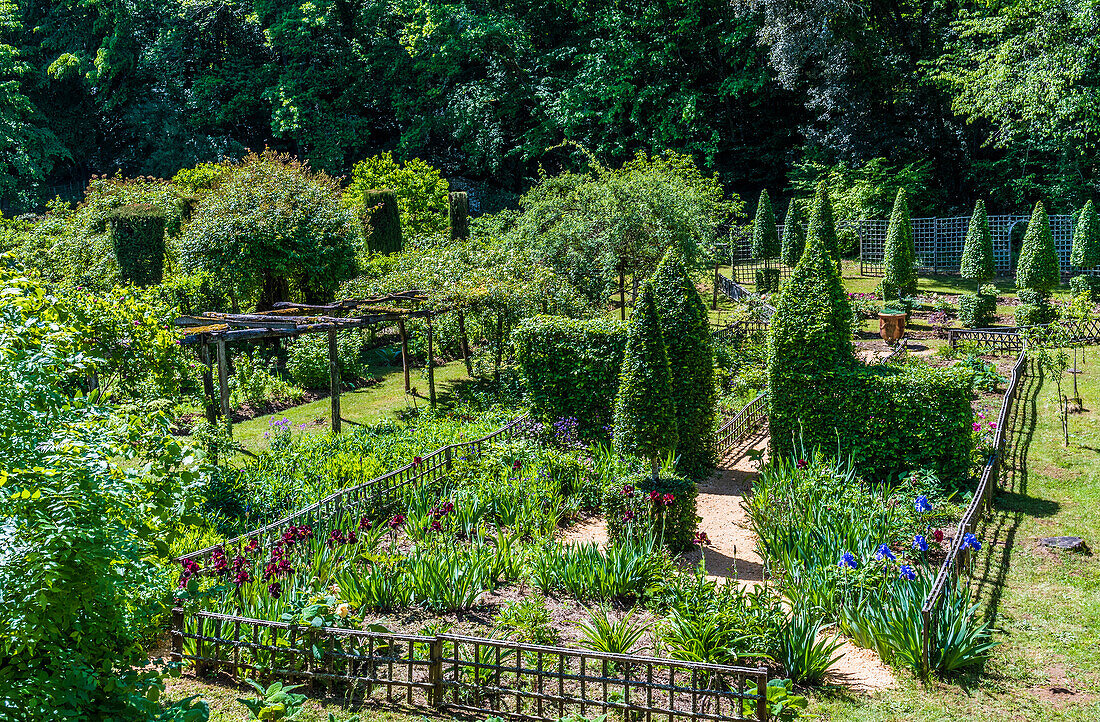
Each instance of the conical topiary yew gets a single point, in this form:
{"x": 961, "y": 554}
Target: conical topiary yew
{"x": 765, "y": 235}
{"x": 1038, "y": 267}
{"x": 809, "y": 340}
{"x": 686, "y": 329}
{"x": 977, "y": 257}
{"x": 822, "y": 225}
{"x": 794, "y": 234}
{"x": 899, "y": 260}
{"x": 1086, "y": 238}
{"x": 645, "y": 414}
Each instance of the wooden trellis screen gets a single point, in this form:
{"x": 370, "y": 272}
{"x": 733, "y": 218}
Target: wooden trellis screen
{"x": 470, "y": 674}
{"x": 1011, "y": 340}
{"x": 745, "y": 421}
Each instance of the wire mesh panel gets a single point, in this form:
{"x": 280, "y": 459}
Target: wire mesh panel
{"x": 872, "y": 242}
{"x": 530, "y": 682}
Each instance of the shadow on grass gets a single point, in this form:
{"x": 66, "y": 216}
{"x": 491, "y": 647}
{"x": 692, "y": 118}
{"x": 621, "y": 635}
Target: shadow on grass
{"x": 1011, "y": 503}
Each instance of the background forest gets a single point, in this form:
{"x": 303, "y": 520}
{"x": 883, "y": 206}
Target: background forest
{"x": 993, "y": 98}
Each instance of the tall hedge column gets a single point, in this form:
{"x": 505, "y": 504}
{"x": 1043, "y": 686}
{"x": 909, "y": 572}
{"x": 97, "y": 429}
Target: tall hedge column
{"x": 899, "y": 262}
{"x": 1037, "y": 271}
{"x": 458, "y": 215}
{"x": 383, "y": 219}
{"x": 691, "y": 358}
{"x": 137, "y": 236}
{"x": 822, "y": 226}
{"x": 645, "y": 415}
{"x": 978, "y": 309}
{"x": 809, "y": 342}
{"x": 765, "y": 244}
{"x": 794, "y": 234}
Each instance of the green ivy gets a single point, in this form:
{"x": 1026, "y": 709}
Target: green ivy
{"x": 571, "y": 368}
{"x": 691, "y": 356}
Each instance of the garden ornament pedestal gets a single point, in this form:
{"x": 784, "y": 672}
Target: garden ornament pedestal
{"x": 891, "y": 326}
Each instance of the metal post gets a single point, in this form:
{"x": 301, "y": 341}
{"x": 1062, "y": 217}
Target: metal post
{"x": 334, "y": 379}
{"x": 177, "y": 635}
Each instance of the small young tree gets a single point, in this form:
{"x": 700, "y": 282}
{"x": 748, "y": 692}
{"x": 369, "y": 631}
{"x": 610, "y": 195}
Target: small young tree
{"x": 809, "y": 340}
{"x": 822, "y": 225}
{"x": 1038, "y": 267}
{"x": 691, "y": 356}
{"x": 1086, "y": 238}
{"x": 645, "y": 414}
{"x": 899, "y": 262}
{"x": 794, "y": 234}
{"x": 977, "y": 257}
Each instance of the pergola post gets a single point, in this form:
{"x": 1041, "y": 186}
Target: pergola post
{"x": 223, "y": 383}
{"x": 404, "y": 352}
{"x": 211, "y": 407}
{"x": 334, "y": 379}
{"x": 464, "y": 340}
{"x": 431, "y": 365}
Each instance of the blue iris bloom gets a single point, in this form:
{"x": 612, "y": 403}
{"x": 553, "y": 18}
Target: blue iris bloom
{"x": 971, "y": 541}
{"x": 885, "y": 553}
{"x": 908, "y": 573}
{"x": 922, "y": 505}
{"x": 848, "y": 560}
{"x": 920, "y": 542}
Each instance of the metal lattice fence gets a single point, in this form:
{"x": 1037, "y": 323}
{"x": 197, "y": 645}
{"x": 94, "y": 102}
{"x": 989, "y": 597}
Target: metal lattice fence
{"x": 939, "y": 243}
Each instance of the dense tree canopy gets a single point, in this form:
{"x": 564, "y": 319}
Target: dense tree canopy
{"x": 998, "y": 95}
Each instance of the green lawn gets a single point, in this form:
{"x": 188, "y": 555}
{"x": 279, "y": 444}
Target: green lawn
{"x": 363, "y": 406}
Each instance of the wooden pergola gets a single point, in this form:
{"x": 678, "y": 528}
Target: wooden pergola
{"x": 290, "y": 320}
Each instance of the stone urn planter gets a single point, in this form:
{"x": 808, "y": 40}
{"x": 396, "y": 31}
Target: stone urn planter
{"x": 891, "y": 326}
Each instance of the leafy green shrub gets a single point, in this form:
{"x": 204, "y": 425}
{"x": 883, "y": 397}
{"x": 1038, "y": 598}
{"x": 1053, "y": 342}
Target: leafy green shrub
{"x": 686, "y": 330}
{"x": 571, "y": 368}
{"x": 977, "y": 262}
{"x": 1038, "y": 266}
{"x": 639, "y": 505}
{"x": 307, "y": 359}
{"x": 794, "y": 233}
{"x": 1087, "y": 285}
{"x": 528, "y": 620}
{"x": 1034, "y": 314}
{"x": 193, "y": 294}
{"x": 986, "y": 376}
{"x": 783, "y": 704}
{"x": 767, "y": 280}
{"x": 809, "y": 341}
{"x": 137, "y": 236}
{"x": 899, "y": 263}
{"x": 645, "y": 411}
{"x": 420, "y": 190}
{"x": 255, "y": 385}
{"x": 1085, "y": 252}
{"x": 718, "y": 623}
{"x": 765, "y": 235}
{"x": 275, "y": 702}
{"x": 821, "y": 224}
{"x": 978, "y": 310}
{"x": 382, "y": 221}
{"x": 271, "y": 227}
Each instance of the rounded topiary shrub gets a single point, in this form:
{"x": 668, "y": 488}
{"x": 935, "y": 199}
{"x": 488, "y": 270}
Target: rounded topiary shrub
{"x": 1033, "y": 314}
{"x": 977, "y": 310}
{"x": 640, "y": 505}
{"x": 1088, "y": 285}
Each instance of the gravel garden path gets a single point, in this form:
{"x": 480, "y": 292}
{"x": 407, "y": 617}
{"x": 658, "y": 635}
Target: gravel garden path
{"x": 732, "y": 556}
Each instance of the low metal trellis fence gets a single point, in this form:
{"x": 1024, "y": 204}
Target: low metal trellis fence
{"x": 745, "y": 421}
{"x": 470, "y": 674}
{"x": 1011, "y": 339}
{"x": 958, "y": 555}
{"x": 356, "y": 499}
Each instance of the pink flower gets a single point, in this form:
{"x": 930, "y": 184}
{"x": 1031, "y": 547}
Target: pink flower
{"x": 628, "y": 491}
{"x": 992, "y": 424}
{"x": 977, "y": 426}
{"x": 667, "y": 499}
{"x": 801, "y": 464}
{"x": 701, "y": 539}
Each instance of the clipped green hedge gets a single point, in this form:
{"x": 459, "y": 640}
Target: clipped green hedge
{"x": 458, "y": 216}
{"x": 383, "y": 218}
{"x": 899, "y": 261}
{"x": 1034, "y": 314}
{"x": 794, "y": 233}
{"x": 765, "y": 235}
{"x": 915, "y": 417}
{"x": 977, "y": 258}
{"x": 571, "y": 367}
{"x": 630, "y": 506}
{"x": 1089, "y": 285}
{"x": 1038, "y": 267}
{"x": 978, "y": 310}
{"x": 137, "y": 236}
{"x": 767, "y": 280}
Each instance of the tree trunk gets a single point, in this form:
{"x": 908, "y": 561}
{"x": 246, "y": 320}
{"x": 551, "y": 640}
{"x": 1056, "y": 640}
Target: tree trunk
{"x": 275, "y": 289}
